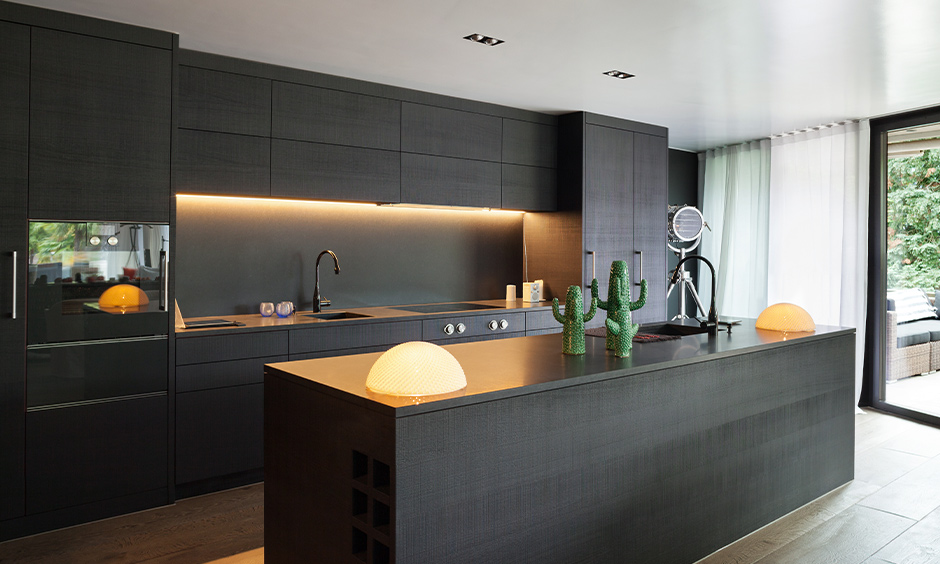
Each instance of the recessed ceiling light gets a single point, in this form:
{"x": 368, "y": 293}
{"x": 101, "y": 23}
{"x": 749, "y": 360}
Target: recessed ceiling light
{"x": 619, "y": 74}
{"x": 479, "y": 38}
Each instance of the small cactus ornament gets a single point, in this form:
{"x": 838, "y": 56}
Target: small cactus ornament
{"x": 620, "y": 326}
{"x": 573, "y": 320}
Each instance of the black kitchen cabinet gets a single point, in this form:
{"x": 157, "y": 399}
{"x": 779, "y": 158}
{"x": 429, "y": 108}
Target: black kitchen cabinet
{"x": 650, "y": 169}
{"x": 219, "y": 433}
{"x": 321, "y": 171}
{"x": 224, "y": 102}
{"x": 100, "y": 133}
{"x": 321, "y": 115}
{"x": 220, "y": 408}
{"x": 529, "y": 188}
{"x": 612, "y": 191}
{"x": 352, "y": 336}
{"x": 14, "y": 147}
{"x": 431, "y": 130}
{"x": 447, "y": 181}
{"x": 222, "y": 163}
{"x": 608, "y": 207}
{"x": 87, "y": 453}
{"x": 529, "y": 143}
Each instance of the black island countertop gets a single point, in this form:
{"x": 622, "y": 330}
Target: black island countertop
{"x": 508, "y": 367}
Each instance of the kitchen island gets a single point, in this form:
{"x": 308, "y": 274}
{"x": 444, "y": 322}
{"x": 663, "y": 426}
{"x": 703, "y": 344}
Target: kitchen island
{"x": 662, "y": 457}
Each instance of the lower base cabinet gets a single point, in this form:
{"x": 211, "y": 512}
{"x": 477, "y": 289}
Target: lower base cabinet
{"x": 219, "y": 432}
{"x": 83, "y": 454}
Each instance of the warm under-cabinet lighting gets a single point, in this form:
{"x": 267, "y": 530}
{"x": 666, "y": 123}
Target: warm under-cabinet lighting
{"x": 786, "y": 318}
{"x": 357, "y": 204}
{"x": 416, "y": 368}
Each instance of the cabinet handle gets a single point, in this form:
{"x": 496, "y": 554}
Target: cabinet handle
{"x": 14, "y": 284}
{"x": 165, "y": 289}
{"x": 593, "y": 267}
{"x": 640, "y": 279}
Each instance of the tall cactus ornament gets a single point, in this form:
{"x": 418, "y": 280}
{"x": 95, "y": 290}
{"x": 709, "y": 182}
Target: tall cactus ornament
{"x": 620, "y": 326}
{"x": 573, "y": 320}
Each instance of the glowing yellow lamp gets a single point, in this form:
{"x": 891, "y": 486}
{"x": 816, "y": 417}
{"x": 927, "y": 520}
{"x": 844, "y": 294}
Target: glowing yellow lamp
{"x": 785, "y": 317}
{"x": 416, "y": 368}
{"x": 123, "y": 296}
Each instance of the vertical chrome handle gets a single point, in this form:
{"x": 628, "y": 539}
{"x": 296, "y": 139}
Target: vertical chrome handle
{"x": 593, "y": 267}
{"x": 165, "y": 274}
{"x": 14, "y": 284}
{"x": 640, "y": 279}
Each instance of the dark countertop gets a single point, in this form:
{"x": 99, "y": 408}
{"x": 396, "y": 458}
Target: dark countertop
{"x": 509, "y": 367}
{"x": 254, "y": 322}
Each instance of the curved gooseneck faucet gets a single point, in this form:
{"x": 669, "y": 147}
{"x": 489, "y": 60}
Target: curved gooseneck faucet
{"x": 318, "y": 302}
{"x": 712, "y": 323}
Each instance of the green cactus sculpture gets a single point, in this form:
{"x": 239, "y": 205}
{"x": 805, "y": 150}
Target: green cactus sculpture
{"x": 573, "y": 320}
{"x": 620, "y": 326}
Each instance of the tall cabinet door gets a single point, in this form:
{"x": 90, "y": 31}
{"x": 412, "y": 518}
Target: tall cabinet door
{"x": 608, "y": 202}
{"x": 99, "y": 129}
{"x": 14, "y": 138}
{"x": 650, "y": 168}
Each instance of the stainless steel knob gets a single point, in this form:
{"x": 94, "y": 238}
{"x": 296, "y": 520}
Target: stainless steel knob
{"x": 449, "y": 329}
{"x": 461, "y": 328}
{"x": 493, "y": 325}
{"x": 503, "y": 324}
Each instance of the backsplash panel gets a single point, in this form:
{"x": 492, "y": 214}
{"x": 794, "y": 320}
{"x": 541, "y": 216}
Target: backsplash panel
{"x": 234, "y": 253}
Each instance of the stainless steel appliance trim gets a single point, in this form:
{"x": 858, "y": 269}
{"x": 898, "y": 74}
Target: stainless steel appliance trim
{"x": 98, "y": 342}
{"x": 95, "y": 401}
{"x": 14, "y": 285}
{"x": 165, "y": 290}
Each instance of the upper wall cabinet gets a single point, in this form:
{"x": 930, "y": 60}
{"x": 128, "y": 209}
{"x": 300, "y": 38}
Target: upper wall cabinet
{"x": 528, "y": 143}
{"x": 307, "y": 113}
{"x": 225, "y": 102}
{"x": 100, "y": 133}
{"x": 530, "y": 154}
{"x": 430, "y": 130}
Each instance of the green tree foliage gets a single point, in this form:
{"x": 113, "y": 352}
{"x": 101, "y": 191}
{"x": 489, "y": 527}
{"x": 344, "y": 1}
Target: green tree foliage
{"x": 914, "y": 221}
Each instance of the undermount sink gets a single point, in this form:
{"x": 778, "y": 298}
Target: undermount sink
{"x": 330, "y": 315}
{"x": 672, "y": 329}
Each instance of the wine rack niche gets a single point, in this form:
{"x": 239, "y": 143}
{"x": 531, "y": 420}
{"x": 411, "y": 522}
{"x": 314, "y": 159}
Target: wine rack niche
{"x": 371, "y": 509}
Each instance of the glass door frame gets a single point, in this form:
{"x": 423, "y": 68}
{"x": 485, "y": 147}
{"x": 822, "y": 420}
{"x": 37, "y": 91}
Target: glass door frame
{"x": 875, "y": 341}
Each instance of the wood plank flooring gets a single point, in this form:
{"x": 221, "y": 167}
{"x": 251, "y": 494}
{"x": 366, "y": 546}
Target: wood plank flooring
{"x": 890, "y": 514}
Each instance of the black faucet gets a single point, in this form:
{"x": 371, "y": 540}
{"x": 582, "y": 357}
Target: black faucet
{"x": 318, "y": 302}
{"x": 712, "y": 323}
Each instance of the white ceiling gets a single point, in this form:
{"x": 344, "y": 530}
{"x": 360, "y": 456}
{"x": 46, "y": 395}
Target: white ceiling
{"x": 714, "y": 72}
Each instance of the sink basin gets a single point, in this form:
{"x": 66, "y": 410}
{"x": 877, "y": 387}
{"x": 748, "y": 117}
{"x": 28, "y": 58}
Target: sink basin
{"x": 672, "y": 329}
{"x": 330, "y": 315}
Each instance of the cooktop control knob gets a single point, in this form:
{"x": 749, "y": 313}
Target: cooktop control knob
{"x": 503, "y": 324}
{"x": 461, "y": 328}
{"x": 449, "y": 329}
{"x": 493, "y": 325}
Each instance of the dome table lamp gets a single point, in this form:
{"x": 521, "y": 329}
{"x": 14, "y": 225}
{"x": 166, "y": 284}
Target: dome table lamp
{"x": 786, "y": 318}
{"x": 416, "y": 368}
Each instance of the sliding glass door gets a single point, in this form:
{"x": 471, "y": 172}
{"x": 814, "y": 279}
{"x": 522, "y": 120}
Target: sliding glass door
{"x": 903, "y": 373}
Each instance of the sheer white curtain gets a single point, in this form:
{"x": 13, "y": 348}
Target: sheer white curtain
{"x": 736, "y": 205}
{"x": 818, "y": 244}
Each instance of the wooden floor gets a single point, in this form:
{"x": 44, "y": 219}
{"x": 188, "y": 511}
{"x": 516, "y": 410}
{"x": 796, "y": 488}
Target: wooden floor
{"x": 890, "y": 514}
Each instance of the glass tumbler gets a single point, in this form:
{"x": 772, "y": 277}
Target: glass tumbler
{"x": 267, "y": 309}
{"x": 284, "y": 309}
